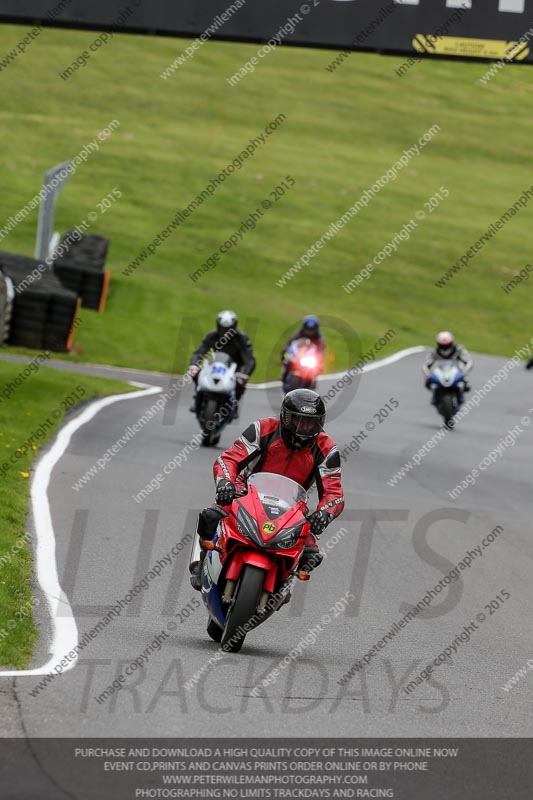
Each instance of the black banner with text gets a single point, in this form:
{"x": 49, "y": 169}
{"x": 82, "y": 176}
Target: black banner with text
{"x": 494, "y": 29}
{"x": 405, "y": 769}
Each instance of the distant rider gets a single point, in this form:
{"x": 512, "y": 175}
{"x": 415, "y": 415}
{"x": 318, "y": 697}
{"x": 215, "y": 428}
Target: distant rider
{"x": 295, "y": 445}
{"x": 309, "y": 329}
{"x": 447, "y": 348}
{"x": 226, "y": 338}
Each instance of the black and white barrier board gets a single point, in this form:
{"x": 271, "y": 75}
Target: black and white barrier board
{"x": 466, "y": 28}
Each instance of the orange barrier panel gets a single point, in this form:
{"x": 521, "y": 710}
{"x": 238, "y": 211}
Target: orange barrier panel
{"x": 70, "y": 340}
{"x": 105, "y": 287}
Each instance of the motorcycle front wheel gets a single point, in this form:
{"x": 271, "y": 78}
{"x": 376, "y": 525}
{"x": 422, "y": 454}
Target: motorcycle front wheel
{"x": 209, "y": 415}
{"x": 447, "y": 407}
{"x": 243, "y": 608}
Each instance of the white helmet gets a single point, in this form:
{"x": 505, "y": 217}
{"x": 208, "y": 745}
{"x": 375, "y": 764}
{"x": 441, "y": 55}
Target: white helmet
{"x": 445, "y": 344}
{"x": 226, "y": 320}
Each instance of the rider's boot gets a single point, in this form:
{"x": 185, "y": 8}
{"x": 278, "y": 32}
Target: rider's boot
{"x": 206, "y": 528}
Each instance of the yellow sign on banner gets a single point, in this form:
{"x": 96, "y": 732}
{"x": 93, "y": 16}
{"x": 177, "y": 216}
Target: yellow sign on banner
{"x": 470, "y": 48}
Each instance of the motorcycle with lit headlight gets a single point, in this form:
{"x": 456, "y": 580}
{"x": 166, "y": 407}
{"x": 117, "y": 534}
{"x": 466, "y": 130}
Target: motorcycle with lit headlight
{"x": 447, "y": 382}
{"x": 303, "y": 362}
{"x": 252, "y": 560}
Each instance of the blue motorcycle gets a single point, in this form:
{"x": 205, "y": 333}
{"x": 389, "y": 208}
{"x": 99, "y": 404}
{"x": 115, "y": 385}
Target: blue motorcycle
{"x": 215, "y": 397}
{"x": 447, "y": 382}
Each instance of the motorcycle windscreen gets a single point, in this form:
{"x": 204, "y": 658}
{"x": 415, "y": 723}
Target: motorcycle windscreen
{"x": 277, "y": 489}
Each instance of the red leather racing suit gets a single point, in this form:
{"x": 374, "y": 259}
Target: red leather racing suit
{"x": 262, "y": 449}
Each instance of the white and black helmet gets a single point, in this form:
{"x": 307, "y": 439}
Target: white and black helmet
{"x": 446, "y": 346}
{"x": 226, "y": 320}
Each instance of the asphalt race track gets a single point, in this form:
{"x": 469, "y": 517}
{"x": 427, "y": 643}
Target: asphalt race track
{"x": 396, "y": 543}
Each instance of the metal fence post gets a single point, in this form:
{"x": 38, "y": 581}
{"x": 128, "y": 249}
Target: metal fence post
{"x": 54, "y": 180}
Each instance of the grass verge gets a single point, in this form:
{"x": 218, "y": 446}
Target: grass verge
{"x": 28, "y": 419}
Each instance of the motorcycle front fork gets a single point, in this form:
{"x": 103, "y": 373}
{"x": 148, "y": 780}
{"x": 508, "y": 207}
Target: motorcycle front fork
{"x": 229, "y": 591}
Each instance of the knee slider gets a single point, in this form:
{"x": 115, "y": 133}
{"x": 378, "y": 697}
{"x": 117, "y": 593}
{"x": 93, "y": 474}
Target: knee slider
{"x": 312, "y": 558}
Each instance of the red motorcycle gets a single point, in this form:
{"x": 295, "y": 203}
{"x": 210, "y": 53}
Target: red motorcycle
{"x": 303, "y": 361}
{"x": 253, "y": 559}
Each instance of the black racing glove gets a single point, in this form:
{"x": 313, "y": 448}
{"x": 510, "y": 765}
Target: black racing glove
{"x": 225, "y": 493}
{"x": 428, "y": 382}
{"x": 319, "y": 521}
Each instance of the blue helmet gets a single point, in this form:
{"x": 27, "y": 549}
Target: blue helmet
{"x": 311, "y": 325}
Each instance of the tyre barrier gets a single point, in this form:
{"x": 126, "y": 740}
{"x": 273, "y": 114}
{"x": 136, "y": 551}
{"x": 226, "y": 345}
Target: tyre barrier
{"x": 85, "y": 248}
{"x": 80, "y": 267}
{"x": 43, "y": 311}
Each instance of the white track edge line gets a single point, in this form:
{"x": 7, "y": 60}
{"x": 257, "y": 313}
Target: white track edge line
{"x": 64, "y": 628}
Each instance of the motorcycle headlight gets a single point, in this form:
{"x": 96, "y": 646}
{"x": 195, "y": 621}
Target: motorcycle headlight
{"x": 247, "y": 526}
{"x": 286, "y": 538}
